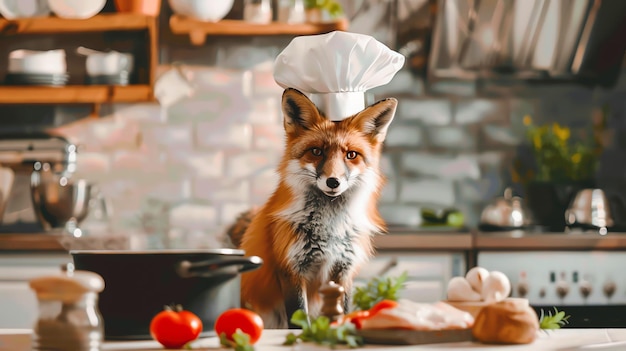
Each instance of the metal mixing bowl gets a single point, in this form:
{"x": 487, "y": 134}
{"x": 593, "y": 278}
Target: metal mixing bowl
{"x": 58, "y": 199}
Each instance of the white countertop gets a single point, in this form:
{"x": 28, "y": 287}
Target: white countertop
{"x": 561, "y": 340}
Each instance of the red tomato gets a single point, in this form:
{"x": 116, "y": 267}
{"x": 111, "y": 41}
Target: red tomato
{"x": 239, "y": 318}
{"x": 175, "y": 328}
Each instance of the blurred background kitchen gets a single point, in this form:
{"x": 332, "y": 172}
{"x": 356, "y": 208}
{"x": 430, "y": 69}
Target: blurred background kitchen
{"x": 508, "y": 139}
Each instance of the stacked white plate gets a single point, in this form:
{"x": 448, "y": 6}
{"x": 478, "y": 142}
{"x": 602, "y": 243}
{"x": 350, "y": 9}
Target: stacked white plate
{"x": 29, "y": 67}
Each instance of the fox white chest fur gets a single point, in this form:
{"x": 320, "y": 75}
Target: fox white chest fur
{"x": 317, "y": 226}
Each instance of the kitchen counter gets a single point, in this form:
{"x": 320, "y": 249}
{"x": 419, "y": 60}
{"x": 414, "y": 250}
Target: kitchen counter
{"x": 404, "y": 239}
{"x": 271, "y": 340}
{"x": 517, "y": 240}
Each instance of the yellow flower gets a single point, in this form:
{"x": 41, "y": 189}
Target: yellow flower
{"x": 527, "y": 120}
{"x": 562, "y": 133}
{"x": 576, "y": 158}
{"x": 537, "y": 141}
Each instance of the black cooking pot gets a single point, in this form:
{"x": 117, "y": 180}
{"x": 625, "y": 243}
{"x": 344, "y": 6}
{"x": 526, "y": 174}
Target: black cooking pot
{"x": 138, "y": 284}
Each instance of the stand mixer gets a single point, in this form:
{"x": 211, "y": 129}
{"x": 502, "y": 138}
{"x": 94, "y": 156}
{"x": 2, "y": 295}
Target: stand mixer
{"x": 44, "y": 195}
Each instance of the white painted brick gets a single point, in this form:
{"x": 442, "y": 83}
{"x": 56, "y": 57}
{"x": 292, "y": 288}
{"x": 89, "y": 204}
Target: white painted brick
{"x": 457, "y": 167}
{"x": 218, "y": 108}
{"x": 138, "y": 163}
{"x": 250, "y": 163}
{"x": 479, "y": 110}
{"x": 428, "y": 191}
{"x": 404, "y": 135}
{"x": 222, "y": 190}
{"x": 451, "y": 137}
{"x": 106, "y": 133}
{"x": 387, "y": 167}
{"x": 263, "y": 83}
{"x": 169, "y": 137}
{"x": 230, "y": 212}
{"x": 168, "y": 190}
{"x": 265, "y": 111}
{"x": 140, "y": 112}
{"x": 389, "y": 192}
{"x": 92, "y": 163}
{"x": 401, "y": 215}
{"x": 430, "y": 112}
{"x": 269, "y": 137}
{"x": 193, "y": 215}
{"x": 402, "y": 82}
{"x": 502, "y": 134}
{"x": 457, "y": 88}
{"x": 236, "y": 135}
{"x": 263, "y": 185}
{"x": 200, "y": 164}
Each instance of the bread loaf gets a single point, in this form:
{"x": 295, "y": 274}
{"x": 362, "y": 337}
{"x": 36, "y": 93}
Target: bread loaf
{"x": 510, "y": 321}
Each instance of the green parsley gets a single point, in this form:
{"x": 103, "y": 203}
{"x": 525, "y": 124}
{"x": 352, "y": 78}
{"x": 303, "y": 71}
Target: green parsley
{"x": 551, "y": 322}
{"x": 241, "y": 341}
{"x": 376, "y": 290}
{"x": 321, "y": 332}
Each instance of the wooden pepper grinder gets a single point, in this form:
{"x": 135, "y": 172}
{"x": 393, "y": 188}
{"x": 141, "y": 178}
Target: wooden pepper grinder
{"x": 332, "y": 300}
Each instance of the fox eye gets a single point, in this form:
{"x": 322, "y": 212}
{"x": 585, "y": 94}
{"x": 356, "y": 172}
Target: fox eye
{"x": 351, "y": 155}
{"x": 316, "y": 151}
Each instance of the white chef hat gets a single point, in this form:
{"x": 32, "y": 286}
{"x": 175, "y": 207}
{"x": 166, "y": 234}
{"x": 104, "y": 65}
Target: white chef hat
{"x": 336, "y": 69}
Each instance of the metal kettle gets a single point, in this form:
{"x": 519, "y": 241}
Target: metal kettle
{"x": 590, "y": 208}
{"x": 505, "y": 213}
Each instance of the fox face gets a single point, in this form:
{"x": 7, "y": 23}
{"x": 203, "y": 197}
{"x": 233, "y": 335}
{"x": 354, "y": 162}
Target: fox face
{"x": 332, "y": 156}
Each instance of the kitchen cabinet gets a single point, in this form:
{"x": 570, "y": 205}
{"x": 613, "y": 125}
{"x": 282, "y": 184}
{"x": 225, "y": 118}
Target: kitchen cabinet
{"x": 199, "y": 30}
{"x": 143, "y": 27}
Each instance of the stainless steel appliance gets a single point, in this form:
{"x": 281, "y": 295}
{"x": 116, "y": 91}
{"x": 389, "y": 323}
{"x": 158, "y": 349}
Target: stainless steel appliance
{"x": 536, "y": 40}
{"x": 22, "y": 153}
{"x": 590, "y": 286}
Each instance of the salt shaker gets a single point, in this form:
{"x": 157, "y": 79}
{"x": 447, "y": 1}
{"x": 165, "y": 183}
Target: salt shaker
{"x": 69, "y": 318}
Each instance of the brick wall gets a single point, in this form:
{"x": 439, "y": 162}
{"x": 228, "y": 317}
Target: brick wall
{"x": 177, "y": 176}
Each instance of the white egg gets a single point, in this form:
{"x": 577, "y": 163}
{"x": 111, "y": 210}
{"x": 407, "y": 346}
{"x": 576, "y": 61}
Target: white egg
{"x": 496, "y": 287}
{"x": 476, "y": 277}
{"x": 459, "y": 289}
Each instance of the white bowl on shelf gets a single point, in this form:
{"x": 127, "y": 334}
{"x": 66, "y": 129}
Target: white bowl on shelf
{"x": 76, "y": 9}
{"x": 109, "y": 63}
{"x": 11, "y": 9}
{"x": 37, "y": 62}
{"x": 203, "y": 10}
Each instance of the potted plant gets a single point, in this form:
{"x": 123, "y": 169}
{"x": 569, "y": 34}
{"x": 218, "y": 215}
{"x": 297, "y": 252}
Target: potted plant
{"x": 318, "y": 10}
{"x": 558, "y": 164}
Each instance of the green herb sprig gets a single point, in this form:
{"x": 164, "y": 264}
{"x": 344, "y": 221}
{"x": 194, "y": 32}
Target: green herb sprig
{"x": 321, "y": 332}
{"x": 551, "y": 322}
{"x": 240, "y": 342}
{"x": 376, "y": 290}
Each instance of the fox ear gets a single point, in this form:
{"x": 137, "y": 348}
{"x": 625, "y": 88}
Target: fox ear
{"x": 375, "y": 119}
{"x": 299, "y": 111}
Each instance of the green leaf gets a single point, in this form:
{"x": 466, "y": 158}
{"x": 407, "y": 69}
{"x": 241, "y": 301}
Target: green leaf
{"x": 551, "y": 322}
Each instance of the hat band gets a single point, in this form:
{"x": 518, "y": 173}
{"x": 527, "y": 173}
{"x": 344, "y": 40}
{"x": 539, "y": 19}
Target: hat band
{"x": 339, "y": 106}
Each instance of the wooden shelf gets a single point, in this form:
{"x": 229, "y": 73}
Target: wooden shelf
{"x": 98, "y": 23}
{"x": 74, "y": 94}
{"x": 198, "y": 30}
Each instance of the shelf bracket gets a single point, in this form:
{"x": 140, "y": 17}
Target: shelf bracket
{"x": 197, "y": 37}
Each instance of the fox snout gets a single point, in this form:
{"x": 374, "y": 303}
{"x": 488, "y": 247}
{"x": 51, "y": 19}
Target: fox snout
{"x": 332, "y": 186}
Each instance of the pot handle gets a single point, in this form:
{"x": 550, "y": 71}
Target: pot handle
{"x": 209, "y": 268}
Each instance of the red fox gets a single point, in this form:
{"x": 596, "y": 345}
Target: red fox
{"x": 318, "y": 224}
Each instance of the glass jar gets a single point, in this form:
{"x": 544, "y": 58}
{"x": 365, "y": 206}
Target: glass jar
{"x": 69, "y": 318}
{"x": 257, "y": 11}
{"x": 291, "y": 11}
